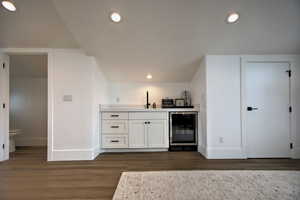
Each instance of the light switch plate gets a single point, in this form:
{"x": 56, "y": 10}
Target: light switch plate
{"x": 67, "y": 98}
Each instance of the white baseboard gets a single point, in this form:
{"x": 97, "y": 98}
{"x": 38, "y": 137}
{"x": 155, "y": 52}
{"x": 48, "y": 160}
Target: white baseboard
{"x": 96, "y": 152}
{"x": 134, "y": 150}
{"x": 31, "y": 141}
{"x": 202, "y": 150}
{"x": 225, "y": 153}
{"x": 72, "y": 154}
{"x": 296, "y": 153}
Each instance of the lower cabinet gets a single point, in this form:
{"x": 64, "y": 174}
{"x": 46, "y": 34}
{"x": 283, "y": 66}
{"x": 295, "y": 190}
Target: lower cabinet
{"x": 135, "y": 130}
{"x": 148, "y": 134}
{"x": 115, "y": 141}
{"x": 157, "y": 135}
{"x": 137, "y": 134}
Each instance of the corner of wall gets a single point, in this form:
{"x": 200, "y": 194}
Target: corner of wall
{"x": 96, "y": 152}
{"x": 202, "y": 150}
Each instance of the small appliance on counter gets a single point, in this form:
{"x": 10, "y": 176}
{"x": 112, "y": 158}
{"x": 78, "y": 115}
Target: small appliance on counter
{"x": 179, "y": 103}
{"x": 183, "y": 102}
{"x": 167, "y": 103}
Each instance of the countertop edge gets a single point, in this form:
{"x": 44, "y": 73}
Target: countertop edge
{"x": 140, "y": 109}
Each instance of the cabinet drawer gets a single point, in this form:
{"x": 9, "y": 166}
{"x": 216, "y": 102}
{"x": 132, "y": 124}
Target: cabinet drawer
{"x": 148, "y": 115}
{"x": 114, "y": 141}
{"x": 114, "y": 126}
{"x": 115, "y": 115}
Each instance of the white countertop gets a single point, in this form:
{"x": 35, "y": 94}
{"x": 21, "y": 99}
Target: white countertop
{"x": 117, "y": 108}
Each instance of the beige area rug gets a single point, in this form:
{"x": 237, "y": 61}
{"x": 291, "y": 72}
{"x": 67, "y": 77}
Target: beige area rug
{"x": 209, "y": 185}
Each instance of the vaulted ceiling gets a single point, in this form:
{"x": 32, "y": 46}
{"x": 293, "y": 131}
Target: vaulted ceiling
{"x": 35, "y": 24}
{"x": 166, "y": 38}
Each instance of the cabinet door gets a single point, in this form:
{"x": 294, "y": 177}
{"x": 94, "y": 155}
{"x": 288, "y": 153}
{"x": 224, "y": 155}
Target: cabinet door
{"x": 137, "y": 134}
{"x": 157, "y": 134}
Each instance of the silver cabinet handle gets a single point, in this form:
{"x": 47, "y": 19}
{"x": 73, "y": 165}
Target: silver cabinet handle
{"x": 114, "y": 127}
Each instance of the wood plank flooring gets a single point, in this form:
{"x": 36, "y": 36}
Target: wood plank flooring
{"x": 27, "y": 175}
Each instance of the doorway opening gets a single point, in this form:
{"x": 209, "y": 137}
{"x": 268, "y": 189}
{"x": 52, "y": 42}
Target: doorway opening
{"x": 28, "y": 110}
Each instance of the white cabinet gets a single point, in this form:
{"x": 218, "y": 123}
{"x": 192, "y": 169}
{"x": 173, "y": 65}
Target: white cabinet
{"x": 148, "y": 115}
{"x": 148, "y": 134}
{"x": 114, "y": 115}
{"x": 114, "y": 126}
{"x": 137, "y": 134}
{"x": 135, "y": 130}
{"x": 157, "y": 135}
{"x": 115, "y": 141}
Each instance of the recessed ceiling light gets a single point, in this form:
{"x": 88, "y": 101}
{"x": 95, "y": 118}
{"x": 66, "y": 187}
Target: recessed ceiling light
{"x": 115, "y": 17}
{"x": 233, "y": 17}
{"x": 9, "y": 5}
{"x": 149, "y": 76}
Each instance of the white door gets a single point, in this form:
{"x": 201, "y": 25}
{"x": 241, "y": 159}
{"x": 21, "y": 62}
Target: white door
{"x": 4, "y": 107}
{"x": 156, "y": 133}
{"x": 137, "y": 134}
{"x": 267, "y": 118}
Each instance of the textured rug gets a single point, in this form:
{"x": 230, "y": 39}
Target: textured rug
{"x": 209, "y": 185}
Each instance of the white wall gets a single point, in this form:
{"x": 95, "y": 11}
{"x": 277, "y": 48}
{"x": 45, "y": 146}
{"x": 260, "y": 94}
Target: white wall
{"x": 28, "y": 110}
{"x": 134, "y": 93}
{"x": 216, "y": 88}
{"x": 74, "y": 125}
{"x": 199, "y": 96}
{"x": 74, "y": 128}
{"x": 101, "y": 96}
{"x": 223, "y": 99}
{"x": 223, "y": 107}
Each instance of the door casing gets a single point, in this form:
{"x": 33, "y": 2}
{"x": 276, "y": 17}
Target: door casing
{"x": 4, "y": 110}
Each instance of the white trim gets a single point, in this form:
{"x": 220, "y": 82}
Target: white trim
{"x": 243, "y": 105}
{"x": 296, "y": 153}
{"x": 96, "y": 152}
{"x": 202, "y": 150}
{"x": 225, "y": 153}
{"x": 290, "y": 59}
{"x": 294, "y": 103}
{"x": 72, "y": 154}
{"x": 4, "y": 113}
{"x": 35, "y": 51}
{"x": 242, "y": 96}
{"x": 135, "y": 150}
{"x": 50, "y": 107}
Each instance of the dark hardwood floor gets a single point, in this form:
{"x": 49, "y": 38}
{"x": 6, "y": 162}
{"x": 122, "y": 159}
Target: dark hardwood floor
{"x": 27, "y": 175}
